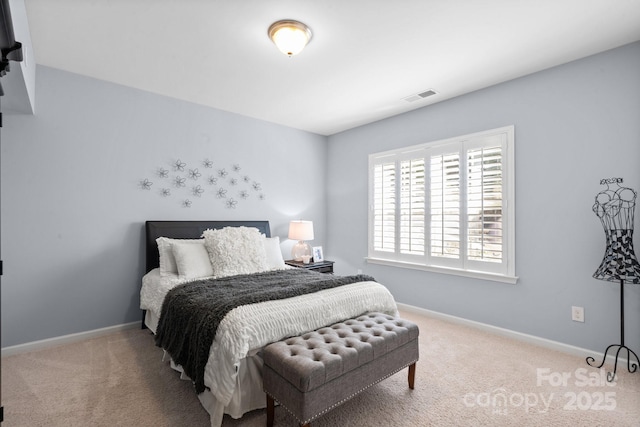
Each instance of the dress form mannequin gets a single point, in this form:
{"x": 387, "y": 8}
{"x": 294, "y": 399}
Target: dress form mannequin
{"x": 615, "y": 208}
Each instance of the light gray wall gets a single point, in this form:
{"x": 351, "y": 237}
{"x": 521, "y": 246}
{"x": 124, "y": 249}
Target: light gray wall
{"x": 574, "y": 125}
{"x": 73, "y": 210}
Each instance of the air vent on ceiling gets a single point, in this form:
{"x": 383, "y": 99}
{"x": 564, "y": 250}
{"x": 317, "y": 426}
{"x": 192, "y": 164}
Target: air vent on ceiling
{"x": 421, "y": 95}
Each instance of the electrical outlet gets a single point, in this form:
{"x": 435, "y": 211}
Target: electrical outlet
{"x": 359, "y": 271}
{"x": 577, "y": 314}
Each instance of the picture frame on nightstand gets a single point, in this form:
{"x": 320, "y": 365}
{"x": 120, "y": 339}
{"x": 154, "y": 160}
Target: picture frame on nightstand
{"x": 317, "y": 254}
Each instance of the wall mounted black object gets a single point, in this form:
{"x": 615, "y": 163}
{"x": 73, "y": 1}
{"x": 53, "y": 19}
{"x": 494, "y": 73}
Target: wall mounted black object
{"x": 11, "y": 49}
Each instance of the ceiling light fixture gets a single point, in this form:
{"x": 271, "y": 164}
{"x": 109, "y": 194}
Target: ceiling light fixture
{"x": 289, "y": 36}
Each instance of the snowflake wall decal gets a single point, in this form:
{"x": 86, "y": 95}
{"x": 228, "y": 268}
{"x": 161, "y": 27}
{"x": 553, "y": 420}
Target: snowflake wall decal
{"x": 179, "y": 181}
{"x": 194, "y": 174}
{"x": 197, "y": 191}
{"x": 174, "y": 175}
{"x": 145, "y": 184}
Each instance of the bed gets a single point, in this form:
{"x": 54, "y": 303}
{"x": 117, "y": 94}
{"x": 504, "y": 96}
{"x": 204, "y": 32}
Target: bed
{"x": 232, "y": 376}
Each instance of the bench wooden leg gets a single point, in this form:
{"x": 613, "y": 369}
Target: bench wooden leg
{"x": 270, "y": 411}
{"x": 412, "y": 375}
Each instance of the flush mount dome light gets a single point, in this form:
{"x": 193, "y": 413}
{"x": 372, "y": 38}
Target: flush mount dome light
{"x": 289, "y": 36}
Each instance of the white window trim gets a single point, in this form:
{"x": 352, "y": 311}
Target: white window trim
{"x": 503, "y": 278}
{"x": 509, "y": 201}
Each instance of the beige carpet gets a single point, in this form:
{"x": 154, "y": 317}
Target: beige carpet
{"x": 465, "y": 377}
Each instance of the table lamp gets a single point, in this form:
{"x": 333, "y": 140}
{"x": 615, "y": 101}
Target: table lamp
{"x": 301, "y": 230}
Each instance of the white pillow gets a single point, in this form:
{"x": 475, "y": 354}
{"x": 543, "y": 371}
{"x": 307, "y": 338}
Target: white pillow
{"x": 235, "y": 250}
{"x": 168, "y": 265}
{"x": 273, "y": 253}
{"x": 192, "y": 260}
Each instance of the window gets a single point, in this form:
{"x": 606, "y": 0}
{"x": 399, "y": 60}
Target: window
{"x": 446, "y": 206}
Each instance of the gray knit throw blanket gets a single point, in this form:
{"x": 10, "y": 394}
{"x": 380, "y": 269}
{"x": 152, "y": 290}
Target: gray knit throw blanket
{"x": 191, "y": 312}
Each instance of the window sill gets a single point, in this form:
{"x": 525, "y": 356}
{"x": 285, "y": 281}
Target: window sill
{"x": 444, "y": 270}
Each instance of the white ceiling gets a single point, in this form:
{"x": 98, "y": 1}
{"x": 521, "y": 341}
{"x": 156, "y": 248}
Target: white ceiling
{"x": 364, "y": 58}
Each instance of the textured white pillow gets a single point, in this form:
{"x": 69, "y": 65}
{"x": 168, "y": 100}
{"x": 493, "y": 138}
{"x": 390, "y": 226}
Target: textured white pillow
{"x": 167, "y": 260}
{"x": 235, "y": 250}
{"x": 273, "y": 253}
{"x": 192, "y": 260}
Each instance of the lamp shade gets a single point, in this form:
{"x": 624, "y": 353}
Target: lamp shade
{"x": 301, "y": 230}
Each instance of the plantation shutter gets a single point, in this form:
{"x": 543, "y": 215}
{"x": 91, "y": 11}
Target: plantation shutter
{"x": 384, "y": 206}
{"x": 484, "y": 204}
{"x": 445, "y": 205}
{"x": 412, "y": 206}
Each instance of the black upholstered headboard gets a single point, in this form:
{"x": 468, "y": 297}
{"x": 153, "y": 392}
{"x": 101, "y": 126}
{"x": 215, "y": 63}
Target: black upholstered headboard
{"x": 187, "y": 230}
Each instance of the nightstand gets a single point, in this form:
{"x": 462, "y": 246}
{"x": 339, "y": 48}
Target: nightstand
{"x": 320, "y": 267}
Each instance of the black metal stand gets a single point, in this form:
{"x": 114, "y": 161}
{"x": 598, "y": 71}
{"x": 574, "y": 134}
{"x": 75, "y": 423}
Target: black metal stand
{"x": 631, "y": 365}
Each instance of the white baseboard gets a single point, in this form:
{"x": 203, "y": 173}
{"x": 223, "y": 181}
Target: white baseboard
{"x": 531, "y": 339}
{"x": 66, "y": 339}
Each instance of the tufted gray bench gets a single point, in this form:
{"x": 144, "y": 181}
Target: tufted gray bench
{"x": 317, "y": 371}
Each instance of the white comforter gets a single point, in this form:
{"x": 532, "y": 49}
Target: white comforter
{"x": 250, "y": 327}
